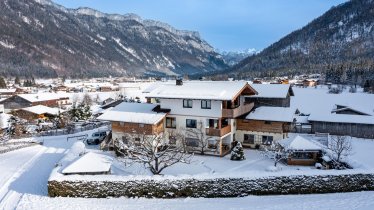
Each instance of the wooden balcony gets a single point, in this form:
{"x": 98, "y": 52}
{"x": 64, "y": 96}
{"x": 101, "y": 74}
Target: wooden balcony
{"x": 218, "y": 132}
{"x": 238, "y": 111}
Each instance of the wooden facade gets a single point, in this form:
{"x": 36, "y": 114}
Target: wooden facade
{"x": 30, "y": 116}
{"x": 263, "y": 126}
{"x": 278, "y": 102}
{"x": 349, "y": 129}
{"x": 311, "y": 161}
{"x": 138, "y": 128}
{"x": 17, "y": 102}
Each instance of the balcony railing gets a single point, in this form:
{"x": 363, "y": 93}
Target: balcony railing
{"x": 218, "y": 132}
{"x": 236, "y": 112}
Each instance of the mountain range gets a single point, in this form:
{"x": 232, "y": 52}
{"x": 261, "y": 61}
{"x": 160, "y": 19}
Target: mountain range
{"x": 44, "y": 39}
{"x": 340, "y": 40}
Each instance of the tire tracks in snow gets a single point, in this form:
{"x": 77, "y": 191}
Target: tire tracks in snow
{"x": 9, "y": 198}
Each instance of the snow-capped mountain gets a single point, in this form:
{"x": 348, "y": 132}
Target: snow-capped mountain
{"x": 41, "y": 38}
{"x": 234, "y": 57}
{"x": 343, "y": 37}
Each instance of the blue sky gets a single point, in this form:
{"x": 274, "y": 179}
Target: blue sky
{"x": 225, "y": 24}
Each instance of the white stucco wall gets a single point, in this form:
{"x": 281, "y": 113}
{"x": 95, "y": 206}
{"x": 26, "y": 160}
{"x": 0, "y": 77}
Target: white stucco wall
{"x": 258, "y": 136}
{"x": 176, "y": 106}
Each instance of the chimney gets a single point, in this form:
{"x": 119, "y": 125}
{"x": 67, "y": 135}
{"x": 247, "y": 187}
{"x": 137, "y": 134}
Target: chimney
{"x": 179, "y": 82}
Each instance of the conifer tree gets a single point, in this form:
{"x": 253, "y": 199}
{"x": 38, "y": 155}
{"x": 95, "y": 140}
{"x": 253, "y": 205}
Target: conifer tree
{"x": 237, "y": 152}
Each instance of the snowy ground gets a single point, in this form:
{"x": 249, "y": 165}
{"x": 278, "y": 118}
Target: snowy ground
{"x": 343, "y": 201}
{"x": 26, "y": 171}
{"x": 204, "y": 167}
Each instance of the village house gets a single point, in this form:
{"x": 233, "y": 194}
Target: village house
{"x": 343, "y": 120}
{"x": 310, "y": 82}
{"x": 10, "y": 92}
{"x": 37, "y": 112}
{"x": 203, "y": 107}
{"x": 265, "y": 125}
{"x": 27, "y": 100}
{"x": 278, "y": 95}
{"x": 135, "y": 118}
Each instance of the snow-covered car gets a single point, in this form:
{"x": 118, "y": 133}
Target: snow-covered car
{"x": 96, "y": 138}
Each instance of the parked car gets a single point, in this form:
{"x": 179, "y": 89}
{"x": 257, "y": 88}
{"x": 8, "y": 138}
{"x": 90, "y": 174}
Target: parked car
{"x": 96, "y": 138}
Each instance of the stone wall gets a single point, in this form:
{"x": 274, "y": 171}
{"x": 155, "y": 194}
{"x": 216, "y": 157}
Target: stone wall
{"x": 222, "y": 187}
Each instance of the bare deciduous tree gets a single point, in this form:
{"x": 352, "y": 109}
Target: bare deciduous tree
{"x": 277, "y": 153}
{"x": 152, "y": 151}
{"x": 199, "y": 133}
{"x": 87, "y": 100}
{"x": 340, "y": 146}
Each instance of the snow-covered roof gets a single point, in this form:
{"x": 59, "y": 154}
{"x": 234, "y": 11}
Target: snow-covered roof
{"x": 302, "y": 119}
{"x": 346, "y": 107}
{"x": 133, "y": 113}
{"x": 89, "y": 163}
{"x": 299, "y": 143}
{"x": 211, "y": 90}
{"x": 341, "y": 118}
{"x": 268, "y": 113}
{"x": 271, "y": 90}
{"x": 42, "y": 96}
{"x": 40, "y": 109}
{"x": 13, "y": 90}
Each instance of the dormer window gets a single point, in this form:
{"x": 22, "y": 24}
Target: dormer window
{"x": 206, "y": 104}
{"x": 187, "y": 103}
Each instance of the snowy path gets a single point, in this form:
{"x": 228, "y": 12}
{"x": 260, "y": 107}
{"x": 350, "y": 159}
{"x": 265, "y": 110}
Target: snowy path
{"x": 26, "y": 171}
{"x": 30, "y": 177}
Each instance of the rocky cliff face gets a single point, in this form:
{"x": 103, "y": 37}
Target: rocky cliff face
{"x": 40, "y": 38}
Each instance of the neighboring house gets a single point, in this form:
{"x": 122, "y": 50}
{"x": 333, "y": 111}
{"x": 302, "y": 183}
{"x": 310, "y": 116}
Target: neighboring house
{"x": 301, "y": 151}
{"x": 264, "y": 125}
{"x": 61, "y": 88}
{"x": 343, "y": 120}
{"x": 37, "y": 112}
{"x": 134, "y": 118}
{"x": 10, "y": 92}
{"x": 310, "y": 82}
{"x": 203, "y": 111}
{"x": 26, "y": 100}
{"x": 278, "y": 95}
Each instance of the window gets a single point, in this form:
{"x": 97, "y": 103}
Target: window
{"x": 125, "y": 140}
{"x": 268, "y": 140}
{"x": 190, "y": 123}
{"x": 249, "y": 139}
{"x": 137, "y": 141}
{"x": 172, "y": 140}
{"x": 212, "y": 144}
{"x": 191, "y": 142}
{"x": 171, "y": 122}
{"x": 267, "y": 122}
{"x": 206, "y": 104}
{"x": 302, "y": 155}
{"x": 187, "y": 103}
